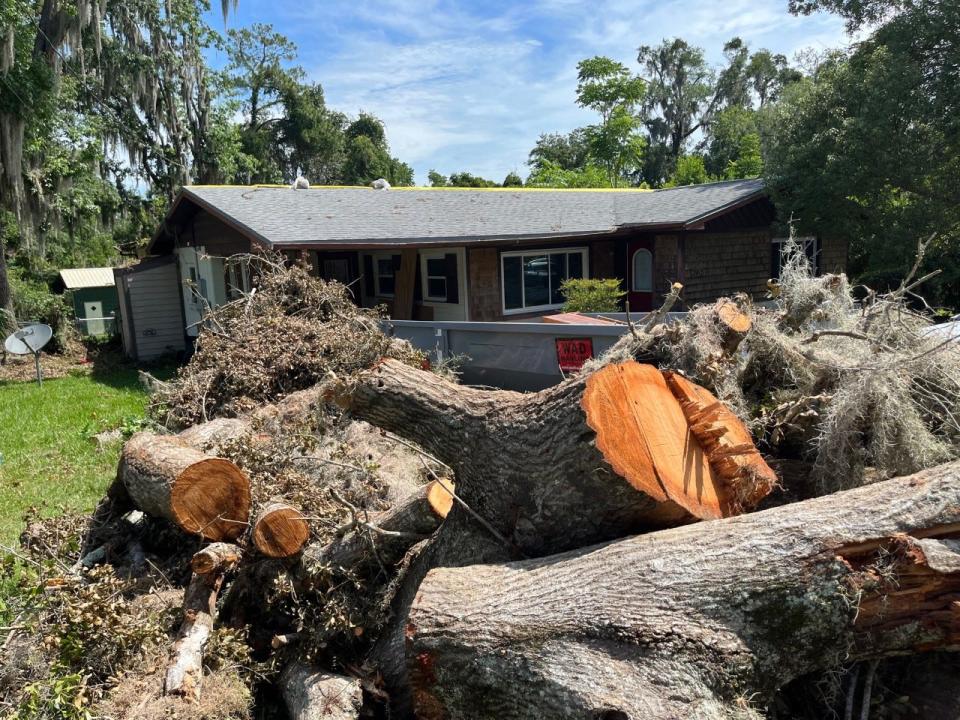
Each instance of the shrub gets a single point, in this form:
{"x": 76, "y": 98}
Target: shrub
{"x": 591, "y": 295}
{"x": 33, "y": 301}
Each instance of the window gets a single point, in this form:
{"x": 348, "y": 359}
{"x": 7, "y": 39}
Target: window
{"x": 238, "y": 277}
{"x": 434, "y": 271}
{"x": 811, "y": 248}
{"x": 532, "y": 279}
{"x": 642, "y": 279}
{"x": 385, "y": 268}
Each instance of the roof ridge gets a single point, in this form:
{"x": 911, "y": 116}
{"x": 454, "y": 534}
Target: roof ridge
{"x": 407, "y": 188}
{"x": 712, "y": 182}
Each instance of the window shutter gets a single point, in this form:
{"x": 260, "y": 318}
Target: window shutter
{"x": 453, "y": 286}
{"x": 396, "y": 262}
{"x": 368, "y": 285}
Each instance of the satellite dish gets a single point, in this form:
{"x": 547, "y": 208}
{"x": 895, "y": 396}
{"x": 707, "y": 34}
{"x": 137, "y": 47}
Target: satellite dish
{"x": 28, "y": 341}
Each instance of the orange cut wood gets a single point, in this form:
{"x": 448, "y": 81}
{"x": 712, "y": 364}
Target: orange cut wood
{"x": 644, "y": 436}
{"x": 733, "y": 317}
{"x": 727, "y": 441}
{"x": 280, "y": 531}
{"x": 439, "y": 498}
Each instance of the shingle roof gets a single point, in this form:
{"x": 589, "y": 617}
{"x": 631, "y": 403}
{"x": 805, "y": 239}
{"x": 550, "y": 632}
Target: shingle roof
{"x": 281, "y": 216}
{"x": 87, "y": 277}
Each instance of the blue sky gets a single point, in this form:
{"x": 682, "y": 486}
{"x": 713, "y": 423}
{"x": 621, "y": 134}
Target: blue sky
{"x": 471, "y": 85}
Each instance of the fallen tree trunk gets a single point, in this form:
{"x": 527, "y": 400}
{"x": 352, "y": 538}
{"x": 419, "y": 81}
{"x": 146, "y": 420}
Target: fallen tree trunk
{"x": 311, "y": 694}
{"x": 204, "y": 495}
{"x": 603, "y": 455}
{"x": 703, "y": 621}
{"x": 561, "y": 468}
{"x": 185, "y": 671}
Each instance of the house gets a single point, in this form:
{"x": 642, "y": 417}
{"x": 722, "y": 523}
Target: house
{"x": 94, "y": 298}
{"x": 480, "y": 254}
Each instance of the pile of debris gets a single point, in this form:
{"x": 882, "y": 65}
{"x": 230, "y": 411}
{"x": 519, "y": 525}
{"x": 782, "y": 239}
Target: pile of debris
{"x": 351, "y": 535}
{"x": 289, "y": 334}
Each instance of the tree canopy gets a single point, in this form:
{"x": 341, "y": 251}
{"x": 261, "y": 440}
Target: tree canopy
{"x": 108, "y": 107}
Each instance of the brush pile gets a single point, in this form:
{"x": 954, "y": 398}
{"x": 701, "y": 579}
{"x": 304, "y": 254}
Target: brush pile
{"x": 287, "y": 335}
{"x": 318, "y": 527}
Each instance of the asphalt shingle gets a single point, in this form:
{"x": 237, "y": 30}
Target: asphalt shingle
{"x": 283, "y": 216}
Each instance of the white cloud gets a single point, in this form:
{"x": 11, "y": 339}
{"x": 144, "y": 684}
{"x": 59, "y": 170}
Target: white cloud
{"x": 470, "y": 86}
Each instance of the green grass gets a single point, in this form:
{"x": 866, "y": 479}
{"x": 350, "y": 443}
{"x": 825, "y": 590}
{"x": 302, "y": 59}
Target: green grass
{"x": 50, "y": 459}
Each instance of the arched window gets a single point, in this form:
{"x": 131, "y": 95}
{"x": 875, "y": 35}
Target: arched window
{"x": 642, "y": 278}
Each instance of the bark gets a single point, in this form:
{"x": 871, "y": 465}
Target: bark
{"x": 185, "y": 672}
{"x": 705, "y": 621}
{"x": 7, "y": 318}
{"x": 280, "y": 530}
{"x": 201, "y": 494}
{"x": 402, "y": 526}
{"x": 311, "y": 694}
{"x": 212, "y": 435}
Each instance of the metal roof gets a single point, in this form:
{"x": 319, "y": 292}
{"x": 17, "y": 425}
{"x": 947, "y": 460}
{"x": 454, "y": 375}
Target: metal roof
{"x": 280, "y": 216}
{"x": 87, "y": 277}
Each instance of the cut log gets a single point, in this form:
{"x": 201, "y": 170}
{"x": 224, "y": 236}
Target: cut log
{"x": 185, "y": 672}
{"x": 390, "y": 535}
{"x": 734, "y": 324}
{"x": 560, "y": 468}
{"x": 216, "y": 557}
{"x": 204, "y": 495}
{"x": 280, "y": 530}
{"x": 693, "y": 621}
{"x": 311, "y": 694}
{"x": 440, "y": 497}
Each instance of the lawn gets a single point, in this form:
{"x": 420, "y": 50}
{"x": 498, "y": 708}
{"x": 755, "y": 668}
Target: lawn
{"x": 50, "y": 459}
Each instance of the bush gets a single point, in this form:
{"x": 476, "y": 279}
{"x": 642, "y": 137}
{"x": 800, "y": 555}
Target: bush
{"x": 591, "y": 295}
{"x": 33, "y": 301}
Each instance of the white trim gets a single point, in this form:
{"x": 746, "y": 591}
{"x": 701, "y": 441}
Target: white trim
{"x": 376, "y": 274}
{"x": 584, "y": 253}
{"x": 425, "y": 277}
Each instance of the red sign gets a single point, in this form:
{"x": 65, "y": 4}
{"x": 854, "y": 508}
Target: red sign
{"x": 572, "y": 353}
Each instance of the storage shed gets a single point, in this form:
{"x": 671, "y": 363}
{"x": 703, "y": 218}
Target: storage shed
{"x": 151, "y": 316}
{"x": 94, "y": 298}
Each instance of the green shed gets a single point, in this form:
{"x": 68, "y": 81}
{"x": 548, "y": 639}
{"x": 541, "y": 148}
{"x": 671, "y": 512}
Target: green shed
{"x": 94, "y": 299}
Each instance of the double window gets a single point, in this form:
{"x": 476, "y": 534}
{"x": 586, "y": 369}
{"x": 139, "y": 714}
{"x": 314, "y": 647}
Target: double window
{"x": 531, "y": 279}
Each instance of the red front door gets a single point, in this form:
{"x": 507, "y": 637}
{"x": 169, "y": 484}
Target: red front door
{"x": 640, "y": 274}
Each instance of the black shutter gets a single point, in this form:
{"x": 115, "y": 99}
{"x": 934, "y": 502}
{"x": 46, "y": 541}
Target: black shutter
{"x": 453, "y": 287}
{"x": 396, "y": 263}
{"x": 368, "y": 285}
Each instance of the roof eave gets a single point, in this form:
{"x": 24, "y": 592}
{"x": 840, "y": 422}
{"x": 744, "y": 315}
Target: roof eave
{"x": 698, "y": 222}
{"x": 186, "y": 194}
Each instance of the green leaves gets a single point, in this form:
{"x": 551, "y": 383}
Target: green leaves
{"x": 591, "y": 295}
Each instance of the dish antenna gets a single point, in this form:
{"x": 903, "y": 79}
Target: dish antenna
{"x": 29, "y": 340}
